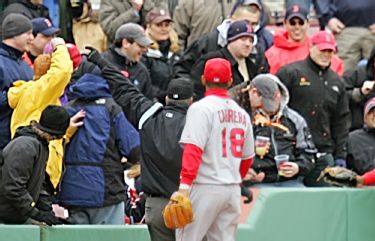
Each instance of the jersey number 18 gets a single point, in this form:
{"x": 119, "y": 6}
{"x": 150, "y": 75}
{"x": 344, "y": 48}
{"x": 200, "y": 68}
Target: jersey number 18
{"x": 236, "y": 138}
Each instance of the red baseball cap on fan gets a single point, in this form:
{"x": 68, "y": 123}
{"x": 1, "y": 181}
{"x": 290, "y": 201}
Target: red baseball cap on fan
{"x": 324, "y": 40}
{"x": 217, "y": 70}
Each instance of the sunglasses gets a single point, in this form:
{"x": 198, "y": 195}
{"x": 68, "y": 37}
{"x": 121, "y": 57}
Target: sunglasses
{"x": 294, "y": 22}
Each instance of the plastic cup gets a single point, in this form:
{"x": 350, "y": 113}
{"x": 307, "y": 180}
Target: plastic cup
{"x": 279, "y": 160}
{"x": 261, "y": 145}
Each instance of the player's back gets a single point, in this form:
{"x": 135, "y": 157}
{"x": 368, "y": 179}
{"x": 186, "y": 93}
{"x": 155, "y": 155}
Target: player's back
{"x": 222, "y": 129}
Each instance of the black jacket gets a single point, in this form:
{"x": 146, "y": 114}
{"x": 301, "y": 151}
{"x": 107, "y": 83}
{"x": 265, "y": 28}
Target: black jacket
{"x": 361, "y": 150}
{"x": 22, "y": 175}
{"x": 297, "y": 143}
{"x": 160, "y": 67}
{"x": 160, "y": 130}
{"x": 136, "y": 72}
{"x": 198, "y": 68}
{"x": 319, "y": 96}
{"x": 354, "y": 80}
{"x": 206, "y": 44}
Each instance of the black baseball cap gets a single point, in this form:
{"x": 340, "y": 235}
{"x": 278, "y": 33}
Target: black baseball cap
{"x": 44, "y": 26}
{"x": 180, "y": 89}
{"x": 296, "y": 11}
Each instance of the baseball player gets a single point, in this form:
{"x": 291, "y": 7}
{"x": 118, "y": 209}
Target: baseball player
{"x": 218, "y": 151}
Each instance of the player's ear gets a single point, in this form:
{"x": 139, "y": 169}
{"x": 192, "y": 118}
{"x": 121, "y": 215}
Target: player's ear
{"x": 203, "y": 80}
{"x": 229, "y": 83}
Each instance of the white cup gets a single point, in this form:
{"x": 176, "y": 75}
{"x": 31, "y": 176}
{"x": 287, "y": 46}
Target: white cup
{"x": 279, "y": 160}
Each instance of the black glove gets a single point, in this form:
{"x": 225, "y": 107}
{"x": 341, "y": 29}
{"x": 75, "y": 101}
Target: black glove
{"x": 44, "y": 202}
{"x": 45, "y": 217}
{"x": 245, "y": 192}
{"x": 95, "y": 57}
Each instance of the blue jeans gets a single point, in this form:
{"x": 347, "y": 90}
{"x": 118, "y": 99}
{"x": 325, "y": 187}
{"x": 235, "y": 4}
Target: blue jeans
{"x": 113, "y": 214}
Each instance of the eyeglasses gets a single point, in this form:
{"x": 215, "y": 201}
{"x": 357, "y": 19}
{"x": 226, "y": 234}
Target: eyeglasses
{"x": 294, "y": 22}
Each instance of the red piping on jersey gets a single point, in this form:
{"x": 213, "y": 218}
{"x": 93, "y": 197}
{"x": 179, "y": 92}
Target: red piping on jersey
{"x": 191, "y": 160}
{"x": 217, "y": 92}
{"x": 245, "y": 166}
{"x": 369, "y": 178}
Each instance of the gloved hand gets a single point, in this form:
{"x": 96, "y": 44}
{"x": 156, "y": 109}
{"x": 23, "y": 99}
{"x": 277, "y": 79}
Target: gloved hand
{"x": 95, "y": 57}
{"x": 44, "y": 202}
{"x": 46, "y": 217}
{"x": 245, "y": 192}
{"x": 340, "y": 163}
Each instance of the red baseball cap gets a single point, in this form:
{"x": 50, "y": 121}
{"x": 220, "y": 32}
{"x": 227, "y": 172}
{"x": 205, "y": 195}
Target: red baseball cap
{"x": 217, "y": 70}
{"x": 324, "y": 40}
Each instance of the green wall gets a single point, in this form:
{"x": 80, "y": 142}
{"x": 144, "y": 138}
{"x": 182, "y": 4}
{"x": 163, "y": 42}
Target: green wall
{"x": 313, "y": 214}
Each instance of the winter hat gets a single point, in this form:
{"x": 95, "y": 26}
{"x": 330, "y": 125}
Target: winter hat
{"x": 217, "y": 70}
{"x": 75, "y": 55}
{"x": 15, "y": 24}
{"x": 41, "y": 65}
{"x": 180, "y": 89}
{"x": 54, "y": 120}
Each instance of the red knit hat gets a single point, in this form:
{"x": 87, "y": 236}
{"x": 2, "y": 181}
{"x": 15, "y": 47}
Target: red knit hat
{"x": 75, "y": 55}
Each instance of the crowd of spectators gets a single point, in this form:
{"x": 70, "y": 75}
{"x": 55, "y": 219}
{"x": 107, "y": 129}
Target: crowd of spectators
{"x": 309, "y": 91}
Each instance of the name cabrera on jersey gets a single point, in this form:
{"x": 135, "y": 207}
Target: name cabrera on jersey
{"x": 224, "y": 132}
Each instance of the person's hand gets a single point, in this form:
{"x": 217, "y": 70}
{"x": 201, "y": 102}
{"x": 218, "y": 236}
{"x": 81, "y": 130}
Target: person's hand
{"x": 57, "y": 41}
{"x": 340, "y": 163}
{"x": 184, "y": 192}
{"x": 46, "y": 217}
{"x": 94, "y": 56}
{"x": 246, "y": 192}
{"x": 253, "y": 176}
{"x": 77, "y": 119}
{"x": 360, "y": 181}
{"x": 289, "y": 169}
{"x": 335, "y": 25}
{"x": 367, "y": 87}
{"x": 372, "y": 28}
{"x": 137, "y": 5}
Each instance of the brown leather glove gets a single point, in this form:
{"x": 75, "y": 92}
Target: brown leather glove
{"x": 178, "y": 211}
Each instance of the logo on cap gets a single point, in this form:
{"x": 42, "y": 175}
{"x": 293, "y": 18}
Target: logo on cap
{"x": 49, "y": 24}
{"x": 295, "y": 9}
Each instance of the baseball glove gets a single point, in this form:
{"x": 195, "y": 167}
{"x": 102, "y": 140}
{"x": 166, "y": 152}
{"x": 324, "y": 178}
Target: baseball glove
{"x": 178, "y": 211}
{"x": 339, "y": 177}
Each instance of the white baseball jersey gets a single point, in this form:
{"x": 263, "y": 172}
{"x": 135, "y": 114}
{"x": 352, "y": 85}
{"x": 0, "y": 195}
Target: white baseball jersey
{"x": 223, "y": 130}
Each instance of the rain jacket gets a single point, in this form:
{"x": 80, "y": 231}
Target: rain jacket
{"x": 29, "y": 99}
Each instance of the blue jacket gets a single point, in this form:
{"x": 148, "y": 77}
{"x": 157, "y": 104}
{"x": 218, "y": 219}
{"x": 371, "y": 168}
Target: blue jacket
{"x": 94, "y": 175}
{"x": 12, "y": 68}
